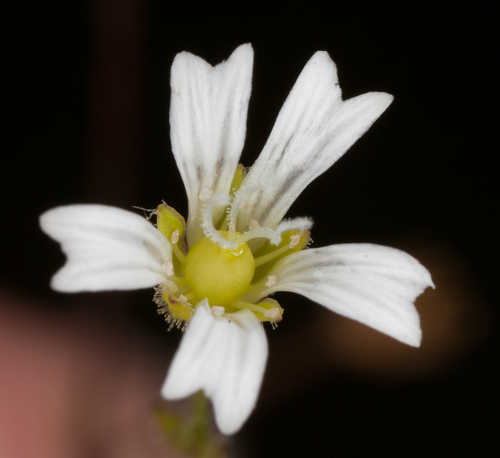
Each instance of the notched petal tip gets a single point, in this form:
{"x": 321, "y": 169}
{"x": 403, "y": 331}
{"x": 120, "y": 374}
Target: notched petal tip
{"x": 243, "y": 52}
{"x": 382, "y": 99}
{"x": 415, "y": 340}
{"x": 322, "y": 65}
{"x": 322, "y": 58}
{"x": 107, "y": 248}
{"x": 369, "y": 283}
{"x": 48, "y": 220}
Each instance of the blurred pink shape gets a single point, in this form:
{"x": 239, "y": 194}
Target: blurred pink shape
{"x": 70, "y": 390}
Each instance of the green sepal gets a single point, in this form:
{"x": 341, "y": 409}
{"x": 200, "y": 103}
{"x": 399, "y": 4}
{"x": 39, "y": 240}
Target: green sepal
{"x": 169, "y": 220}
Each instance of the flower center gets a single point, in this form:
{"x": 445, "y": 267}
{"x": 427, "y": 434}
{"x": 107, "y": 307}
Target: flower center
{"x": 220, "y": 265}
{"x": 219, "y": 274}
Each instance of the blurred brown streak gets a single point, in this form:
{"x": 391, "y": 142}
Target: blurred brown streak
{"x": 115, "y": 135}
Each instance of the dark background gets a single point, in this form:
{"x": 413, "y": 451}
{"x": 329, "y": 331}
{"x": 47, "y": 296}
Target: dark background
{"x": 90, "y": 124}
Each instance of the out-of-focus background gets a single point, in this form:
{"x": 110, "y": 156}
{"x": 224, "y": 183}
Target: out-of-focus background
{"x": 81, "y": 374}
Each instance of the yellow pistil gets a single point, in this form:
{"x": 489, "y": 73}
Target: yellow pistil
{"x": 218, "y": 274}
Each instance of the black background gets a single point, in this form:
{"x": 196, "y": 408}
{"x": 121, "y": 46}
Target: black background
{"x": 90, "y": 124}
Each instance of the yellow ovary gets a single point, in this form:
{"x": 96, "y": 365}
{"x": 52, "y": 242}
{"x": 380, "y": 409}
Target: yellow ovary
{"x": 218, "y": 274}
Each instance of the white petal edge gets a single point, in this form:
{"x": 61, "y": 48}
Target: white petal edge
{"x": 312, "y": 131}
{"x": 373, "y": 284}
{"x": 107, "y": 248}
{"x": 208, "y": 114}
{"x": 225, "y": 358}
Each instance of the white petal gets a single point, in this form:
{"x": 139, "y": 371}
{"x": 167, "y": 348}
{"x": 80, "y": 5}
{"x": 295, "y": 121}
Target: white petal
{"x": 107, "y": 248}
{"x": 226, "y": 359}
{"x": 372, "y": 284}
{"x": 314, "y": 128}
{"x": 208, "y": 115}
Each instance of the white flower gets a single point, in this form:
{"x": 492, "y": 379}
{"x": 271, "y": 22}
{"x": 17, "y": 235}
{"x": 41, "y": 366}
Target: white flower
{"x": 217, "y": 271}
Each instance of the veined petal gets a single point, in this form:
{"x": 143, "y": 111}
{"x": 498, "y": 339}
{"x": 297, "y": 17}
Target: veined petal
{"x": 372, "y": 284}
{"x": 226, "y": 359}
{"x": 208, "y": 114}
{"x": 314, "y": 128}
{"x": 107, "y": 248}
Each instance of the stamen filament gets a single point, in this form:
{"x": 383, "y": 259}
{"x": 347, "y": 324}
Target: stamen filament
{"x": 181, "y": 257}
{"x": 260, "y": 260}
{"x": 242, "y": 305}
{"x": 189, "y": 297}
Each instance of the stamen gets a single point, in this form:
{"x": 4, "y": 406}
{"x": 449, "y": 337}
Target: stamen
{"x": 271, "y": 280}
{"x": 268, "y": 310}
{"x": 294, "y": 241}
{"x": 169, "y": 268}
{"x": 189, "y": 297}
{"x": 272, "y": 314}
{"x": 174, "y": 237}
{"x": 249, "y": 306}
{"x": 178, "y": 253}
{"x": 207, "y": 223}
{"x": 253, "y": 224}
{"x": 260, "y": 260}
{"x": 204, "y": 194}
{"x": 150, "y": 212}
{"x": 218, "y": 311}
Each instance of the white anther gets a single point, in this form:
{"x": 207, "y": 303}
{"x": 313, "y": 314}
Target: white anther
{"x": 218, "y": 310}
{"x": 182, "y": 298}
{"x": 204, "y": 194}
{"x": 175, "y": 237}
{"x": 169, "y": 268}
{"x": 253, "y": 224}
{"x": 271, "y": 280}
{"x": 294, "y": 240}
{"x": 273, "y": 313}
